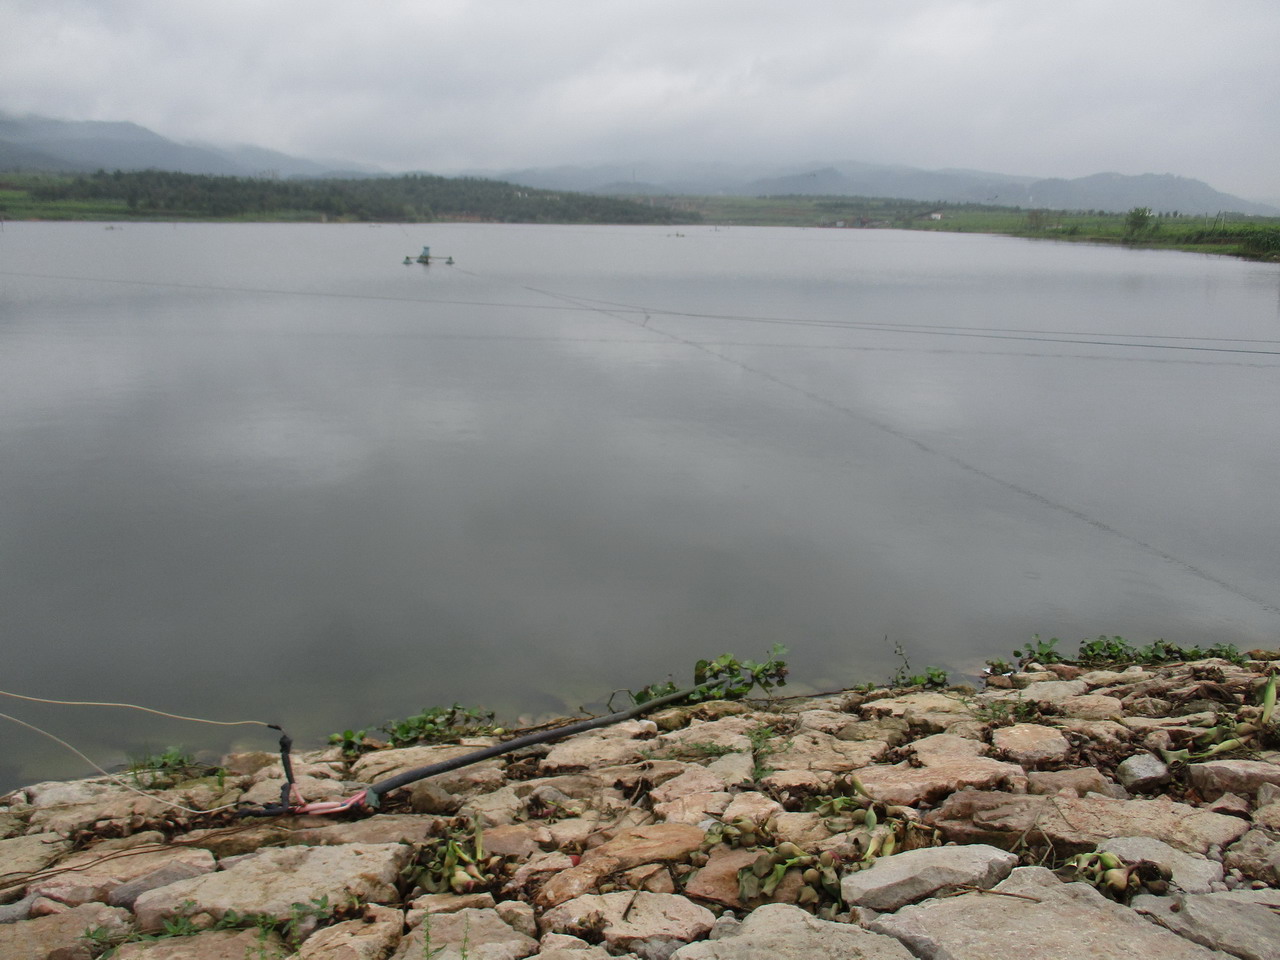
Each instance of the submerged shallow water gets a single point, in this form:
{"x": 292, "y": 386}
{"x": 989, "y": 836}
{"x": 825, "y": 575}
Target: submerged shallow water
{"x": 268, "y": 471}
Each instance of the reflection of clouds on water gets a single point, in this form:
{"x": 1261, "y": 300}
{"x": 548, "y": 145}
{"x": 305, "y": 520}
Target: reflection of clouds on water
{"x": 39, "y": 377}
{"x": 269, "y": 446}
{"x": 346, "y": 508}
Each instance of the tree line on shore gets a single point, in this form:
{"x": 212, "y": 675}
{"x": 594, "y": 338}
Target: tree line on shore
{"x": 412, "y": 198}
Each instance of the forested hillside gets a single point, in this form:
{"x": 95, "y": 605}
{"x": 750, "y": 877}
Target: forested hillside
{"x": 412, "y": 198}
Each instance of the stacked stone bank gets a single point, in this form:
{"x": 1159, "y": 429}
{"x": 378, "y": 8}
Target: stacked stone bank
{"x": 633, "y": 841}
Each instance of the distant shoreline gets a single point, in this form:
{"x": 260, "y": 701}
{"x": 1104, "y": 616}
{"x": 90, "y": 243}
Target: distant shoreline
{"x": 156, "y": 196}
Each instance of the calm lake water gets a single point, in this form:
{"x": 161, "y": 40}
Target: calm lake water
{"x": 268, "y": 471}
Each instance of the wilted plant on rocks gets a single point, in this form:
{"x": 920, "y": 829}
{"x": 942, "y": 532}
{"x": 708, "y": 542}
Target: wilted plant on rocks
{"x": 1114, "y": 878}
{"x": 455, "y": 864}
{"x": 818, "y": 872}
{"x": 1232, "y": 733}
{"x": 739, "y": 832}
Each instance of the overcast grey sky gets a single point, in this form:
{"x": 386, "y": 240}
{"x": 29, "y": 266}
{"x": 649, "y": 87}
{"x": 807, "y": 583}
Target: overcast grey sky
{"x": 1064, "y": 88}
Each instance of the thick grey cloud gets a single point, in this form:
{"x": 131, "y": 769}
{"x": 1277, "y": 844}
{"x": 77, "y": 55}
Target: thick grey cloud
{"x": 1063, "y": 89}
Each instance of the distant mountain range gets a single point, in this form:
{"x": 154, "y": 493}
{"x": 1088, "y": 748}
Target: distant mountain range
{"x": 1163, "y": 193}
{"x": 68, "y": 146}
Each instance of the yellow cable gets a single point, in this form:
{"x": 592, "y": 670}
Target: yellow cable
{"x": 110, "y": 776}
{"x": 134, "y": 706}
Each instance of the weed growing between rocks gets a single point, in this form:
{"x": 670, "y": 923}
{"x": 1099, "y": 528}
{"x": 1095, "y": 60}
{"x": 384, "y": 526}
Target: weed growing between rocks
{"x": 456, "y": 864}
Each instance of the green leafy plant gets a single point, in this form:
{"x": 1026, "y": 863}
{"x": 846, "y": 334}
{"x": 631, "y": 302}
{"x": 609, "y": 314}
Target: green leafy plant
{"x": 1038, "y": 651}
{"x": 1005, "y": 712}
{"x": 439, "y": 723}
{"x": 352, "y": 742}
{"x": 1116, "y": 651}
{"x": 730, "y": 678}
{"x": 903, "y": 676}
{"x": 763, "y": 745}
{"x": 725, "y": 678}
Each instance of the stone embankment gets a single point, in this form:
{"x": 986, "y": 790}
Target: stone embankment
{"x": 1045, "y": 818}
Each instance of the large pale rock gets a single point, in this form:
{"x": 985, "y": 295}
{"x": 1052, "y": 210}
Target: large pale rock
{"x": 380, "y": 828}
{"x": 802, "y": 829}
{"x": 1054, "y": 691}
{"x": 383, "y": 764}
{"x": 654, "y": 843}
{"x": 823, "y": 721}
{"x": 630, "y": 920}
{"x": 1242, "y": 923}
{"x": 312, "y": 789}
{"x": 1213, "y": 778}
{"x": 1079, "y": 781}
{"x": 494, "y": 809}
{"x": 756, "y": 807}
{"x": 1046, "y": 920}
{"x": 575, "y": 881}
{"x": 1092, "y": 706}
{"x": 270, "y": 881}
{"x": 941, "y": 775}
{"x": 60, "y": 936}
{"x": 1078, "y": 823}
{"x": 586, "y": 952}
{"x": 1142, "y": 772}
{"x": 1031, "y": 744}
{"x": 79, "y": 805}
{"x": 947, "y": 746}
{"x": 934, "y": 712}
{"x": 811, "y": 750}
{"x": 735, "y": 769}
{"x": 892, "y": 730}
{"x": 718, "y": 880}
{"x": 627, "y": 776}
{"x": 578, "y": 753}
{"x": 465, "y": 935}
{"x": 893, "y": 882}
{"x": 213, "y": 945}
{"x": 94, "y": 874}
{"x": 694, "y": 808}
{"x": 1107, "y": 678}
{"x": 694, "y": 780}
{"x": 1103, "y": 732}
{"x": 793, "y": 786}
{"x": 1257, "y": 856}
{"x": 1191, "y": 872}
{"x": 20, "y": 856}
{"x": 1267, "y": 815}
{"x": 779, "y": 931}
{"x": 728, "y": 733}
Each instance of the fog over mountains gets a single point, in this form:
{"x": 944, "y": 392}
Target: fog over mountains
{"x": 44, "y": 143}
